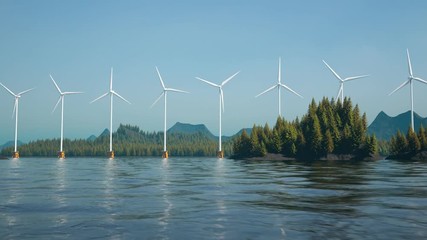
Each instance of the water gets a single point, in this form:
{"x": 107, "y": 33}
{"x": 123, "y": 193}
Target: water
{"x": 192, "y": 198}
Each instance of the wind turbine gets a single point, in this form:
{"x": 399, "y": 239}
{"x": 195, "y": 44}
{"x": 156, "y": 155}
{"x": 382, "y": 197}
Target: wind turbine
{"x": 111, "y": 92}
{"x": 341, "y": 91}
{"x": 221, "y": 107}
{"x": 61, "y": 154}
{"x": 15, "y": 154}
{"x": 410, "y": 82}
{"x": 279, "y": 85}
{"x": 165, "y": 94}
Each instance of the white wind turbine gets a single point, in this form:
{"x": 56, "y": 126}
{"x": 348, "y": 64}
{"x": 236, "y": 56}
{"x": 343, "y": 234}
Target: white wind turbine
{"x": 61, "y": 153}
{"x": 279, "y": 85}
{"x": 165, "y": 94}
{"x": 410, "y": 82}
{"x": 111, "y": 92}
{"x": 221, "y": 107}
{"x": 15, "y": 111}
{"x": 341, "y": 90}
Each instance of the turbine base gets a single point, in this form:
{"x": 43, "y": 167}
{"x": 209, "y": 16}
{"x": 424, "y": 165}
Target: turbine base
{"x": 61, "y": 155}
{"x": 110, "y": 155}
{"x": 220, "y": 154}
{"x": 15, "y": 155}
{"x": 165, "y": 154}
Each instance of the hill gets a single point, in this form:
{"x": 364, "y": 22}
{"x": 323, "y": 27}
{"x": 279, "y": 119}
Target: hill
{"x": 187, "y": 128}
{"x": 10, "y": 144}
{"x": 385, "y": 126}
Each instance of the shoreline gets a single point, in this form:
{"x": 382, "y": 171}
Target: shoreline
{"x": 329, "y": 157}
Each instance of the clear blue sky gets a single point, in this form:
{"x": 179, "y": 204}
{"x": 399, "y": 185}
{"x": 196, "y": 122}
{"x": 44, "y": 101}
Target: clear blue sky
{"x": 78, "y": 41}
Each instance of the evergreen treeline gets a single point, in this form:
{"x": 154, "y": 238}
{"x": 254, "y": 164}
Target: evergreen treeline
{"x": 406, "y": 146}
{"x": 329, "y": 127}
{"x": 127, "y": 141}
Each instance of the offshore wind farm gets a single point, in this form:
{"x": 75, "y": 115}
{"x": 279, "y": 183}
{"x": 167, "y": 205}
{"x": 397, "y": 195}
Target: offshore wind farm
{"x": 222, "y": 119}
{"x": 80, "y": 51}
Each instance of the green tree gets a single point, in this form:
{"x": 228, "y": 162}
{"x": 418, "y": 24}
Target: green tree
{"x": 413, "y": 141}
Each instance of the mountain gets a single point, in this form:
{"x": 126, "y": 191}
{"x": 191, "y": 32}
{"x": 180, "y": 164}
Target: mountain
{"x": 187, "y": 128}
{"x": 385, "y": 126}
{"x": 10, "y": 144}
{"x": 91, "y": 138}
{"x": 106, "y": 132}
{"x": 248, "y": 131}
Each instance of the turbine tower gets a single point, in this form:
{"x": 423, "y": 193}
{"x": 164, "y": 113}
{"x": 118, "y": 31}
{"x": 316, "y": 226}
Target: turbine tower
{"x": 279, "y": 85}
{"x": 410, "y": 82}
{"x": 165, "y": 94}
{"x": 61, "y": 153}
{"x": 221, "y": 108}
{"x": 15, "y": 154}
{"x": 111, "y": 93}
{"x": 341, "y": 90}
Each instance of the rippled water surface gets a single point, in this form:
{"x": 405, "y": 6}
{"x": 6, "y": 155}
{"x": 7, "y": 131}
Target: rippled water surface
{"x": 204, "y": 198}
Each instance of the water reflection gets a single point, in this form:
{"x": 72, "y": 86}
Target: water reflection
{"x": 109, "y": 199}
{"x": 220, "y": 182}
{"x": 165, "y": 194}
{"x": 15, "y": 193}
{"x": 61, "y": 185}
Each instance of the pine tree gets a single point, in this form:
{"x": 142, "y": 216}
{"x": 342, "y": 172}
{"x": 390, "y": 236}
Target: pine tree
{"x": 422, "y": 137}
{"x": 413, "y": 141}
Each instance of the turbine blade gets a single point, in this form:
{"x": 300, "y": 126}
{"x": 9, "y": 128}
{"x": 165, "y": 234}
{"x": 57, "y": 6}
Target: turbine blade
{"x": 222, "y": 99}
{"x": 56, "y": 85}
{"x": 354, "y": 78}
{"x": 409, "y": 63}
{"x": 14, "y": 107}
{"x": 160, "y": 77}
{"x": 336, "y": 75}
{"x": 19, "y": 94}
{"x": 13, "y": 94}
{"x": 103, "y": 95}
{"x": 279, "y": 75}
{"x": 111, "y": 79}
{"x": 56, "y": 105}
{"x": 289, "y": 89}
{"x": 206, "y": 81}
{"x": 420, "y": 79}
{"x": 401, "y": 86}
{"x": 118, "y": 95}
{"x": 269, "y": 89}
{"x": 175, "y": 90}
{"x": 228, "y": 79}
{"x": 161, "y": 95}
{"x": 66, "y": 93}
{"x": 339, "y": 93}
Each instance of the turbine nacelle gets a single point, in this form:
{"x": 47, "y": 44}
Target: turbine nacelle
{"x": 61, "y": 94}
{"x": 219, "y": 86}
{"x": 165, "y": 89}
{"x": 278, "y": 85}
{"x": 341, "y": 80}
{"x": 409, "y": 81}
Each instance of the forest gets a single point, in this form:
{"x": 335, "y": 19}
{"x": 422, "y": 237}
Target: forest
{"x": 327, "y": 128}
{"x": 408, "y": 146}
{"x": 127, "y": 141}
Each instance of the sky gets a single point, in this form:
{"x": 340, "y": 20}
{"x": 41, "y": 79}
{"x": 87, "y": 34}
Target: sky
{"x": 79, "y": 41}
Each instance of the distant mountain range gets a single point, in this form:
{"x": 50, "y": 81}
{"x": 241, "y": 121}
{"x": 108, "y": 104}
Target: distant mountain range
{"x": 10, "y": 144}
{"x": 188, "y": 128}
{"x": 191, "y": 129}
{"x": 385, "y": 126}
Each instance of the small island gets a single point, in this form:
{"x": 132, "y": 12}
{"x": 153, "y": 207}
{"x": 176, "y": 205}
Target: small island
{"x": 411, "y": 147}
{"x": 329, "y": 131}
